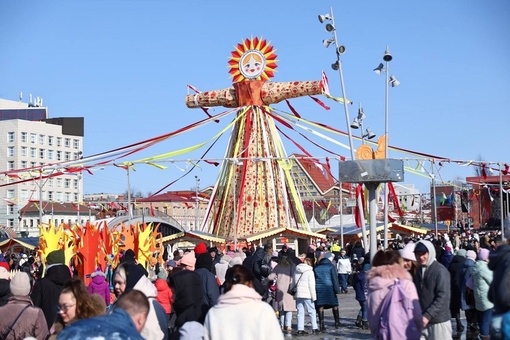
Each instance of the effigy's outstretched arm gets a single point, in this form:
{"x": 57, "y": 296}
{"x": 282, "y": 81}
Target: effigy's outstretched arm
{"x": 255, "y": 92}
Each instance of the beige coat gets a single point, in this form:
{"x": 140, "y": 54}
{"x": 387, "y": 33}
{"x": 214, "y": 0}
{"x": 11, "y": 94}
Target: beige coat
{"x": 282, "y": 274}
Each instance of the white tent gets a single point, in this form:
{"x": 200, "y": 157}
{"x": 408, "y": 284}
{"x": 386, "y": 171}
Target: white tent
{"x": 334, "y": 221}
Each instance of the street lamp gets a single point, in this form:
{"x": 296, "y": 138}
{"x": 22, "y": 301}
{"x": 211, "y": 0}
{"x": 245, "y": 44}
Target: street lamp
{"x": 337, "y": 66}
{"x": 358, "y": 124}
{"x": 390, "y": 80}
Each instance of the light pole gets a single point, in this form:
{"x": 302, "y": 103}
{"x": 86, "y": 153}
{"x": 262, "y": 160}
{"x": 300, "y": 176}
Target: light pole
{"x": 358, "y": 124}
{"x": 337, "y": 66}
{"x": 197, "y": 184}
{"x": 433, "y": 175}
{"x": 394, "y": 82}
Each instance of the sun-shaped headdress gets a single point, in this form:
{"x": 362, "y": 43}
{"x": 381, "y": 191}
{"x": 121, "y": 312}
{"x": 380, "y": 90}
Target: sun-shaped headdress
{"x": 253, "y": 59}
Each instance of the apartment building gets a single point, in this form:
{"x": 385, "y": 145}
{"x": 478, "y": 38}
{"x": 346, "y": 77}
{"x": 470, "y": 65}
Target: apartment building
{"x": 29, "y": 142}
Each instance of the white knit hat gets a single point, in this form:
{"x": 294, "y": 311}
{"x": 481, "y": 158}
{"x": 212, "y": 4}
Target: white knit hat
{"x": 20, "y": 284}
{"x": 408, "y": 252}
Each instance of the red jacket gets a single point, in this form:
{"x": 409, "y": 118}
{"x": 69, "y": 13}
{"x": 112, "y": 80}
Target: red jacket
{"x": 164, "y": 296}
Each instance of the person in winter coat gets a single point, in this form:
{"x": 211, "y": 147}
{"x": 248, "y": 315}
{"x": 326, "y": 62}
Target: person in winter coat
{"x": 432, "y": 282}
{"x": 210, "y": 284}
{"x": 126, "y": 320}
{"x": 467, "y": 298}
{"x": 304, "y": 279}
{"x": 360, "y": 288}
{"x": 447, "y": 257}
{"x": 164, "y": 296}
{"x": 327, "y": 288}
{"x": 499, "y": 294}
{"x": 386, "y": 268}
{"x": 232, "y": 317}
{"x": 188, "y": 299}
{"x": 221, "y": 268}
{"x": 357, "y": 251}
{"x": 282, "y": 273}
{"x": 5, "y": 276}
{"x": 343, "y": 267}
{"x": 455, "y": 270}
{"x": 99, "y": 286}
{"x": 129, "y": 276}
{"x": 255, "y": 264}
{"x": 482, "y": 278}
{"x": 46, "y": 290}
{"x": 20, "y": 319}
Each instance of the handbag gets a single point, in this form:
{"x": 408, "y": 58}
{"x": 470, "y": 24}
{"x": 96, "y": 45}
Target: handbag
{"x": 293, "y": 290}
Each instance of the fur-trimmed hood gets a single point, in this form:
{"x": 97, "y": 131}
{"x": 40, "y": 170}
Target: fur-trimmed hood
{"x": 382, "y": 276}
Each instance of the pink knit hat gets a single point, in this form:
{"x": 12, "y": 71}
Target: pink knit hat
{"x": 189, "y": 259}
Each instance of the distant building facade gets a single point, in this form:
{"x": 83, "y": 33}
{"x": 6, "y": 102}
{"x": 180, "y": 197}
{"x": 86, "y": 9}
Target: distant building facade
{"x": 33, "y": 141}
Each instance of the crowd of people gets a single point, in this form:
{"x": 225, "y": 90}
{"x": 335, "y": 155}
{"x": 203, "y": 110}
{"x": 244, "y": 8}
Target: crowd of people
{"x": 413, "y": 289}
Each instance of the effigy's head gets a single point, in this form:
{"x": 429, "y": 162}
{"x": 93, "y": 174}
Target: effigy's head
{"x": 253, "y": 59}
{"x": 252, "y": 64}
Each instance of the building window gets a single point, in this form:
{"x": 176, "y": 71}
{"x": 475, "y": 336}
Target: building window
{"x": 59, "y": 196}
{"x": 67, "y": 142}
{"x": 33, "y": 164}
{"x": 10, "y": 165}
{"x": 75, "y": 184}
{"x": 51, "y": 182}
{"x": 50, "y": 140}
{"x": 67, "y": 183}
{"x": 24, "y": 137}
{"x": 11, "y": 208}
{"x": 59, "y": 141}
{"x": 23, "y": 151}
{"x": 76, "y": 197}
{"x": 76, "y": 144}
{"x": 24, "y": 194}
{"x": 59, "y": 182}
{"x": 59, "y": 155}
{"x": 10, "y": 193}
{"x": 32, "y": 152}
{"x": 68, "y": 197}
{"x": 50, "y": 155}
{"x": 68, "y": 156}
{"x": 42, "y": 138}
{"x": 24, "y": 164}
{"x": 33, "y": 137}
{"x": 10, "y": 137}
{"x": 10, "y": 151}
{"x": 50, "y": 195}
{"x": 42, "y": 153}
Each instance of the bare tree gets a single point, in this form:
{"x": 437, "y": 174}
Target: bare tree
{"x": 478, "y": 169}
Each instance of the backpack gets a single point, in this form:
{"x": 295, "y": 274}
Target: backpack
{"x": 397, "y": 317}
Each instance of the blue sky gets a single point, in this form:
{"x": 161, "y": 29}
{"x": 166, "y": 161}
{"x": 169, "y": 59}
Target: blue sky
{"x": 124, "y": 66}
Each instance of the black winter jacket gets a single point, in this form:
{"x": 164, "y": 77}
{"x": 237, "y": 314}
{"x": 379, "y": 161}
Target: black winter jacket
{"x": 499, "y": 294}
{"x": 47, "y": 290}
